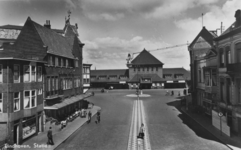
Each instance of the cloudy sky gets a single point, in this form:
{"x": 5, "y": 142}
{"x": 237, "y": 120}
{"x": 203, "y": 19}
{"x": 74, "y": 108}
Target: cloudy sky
{"x": 111, "y": 29}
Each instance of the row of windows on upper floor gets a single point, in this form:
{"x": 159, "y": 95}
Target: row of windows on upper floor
{"x": 86, "y": 69}
{"x": 29, "y": 99}
{"x": 31, "y": 73}
{"x": 225, "y": 55}
{"x": 166, "y": 76}
{"x": 145, "y": 68}
{"x": 62, "y": 62}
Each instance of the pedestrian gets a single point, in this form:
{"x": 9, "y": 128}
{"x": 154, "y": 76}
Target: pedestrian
{"x": 97, "y": 117}
{"x": 50, "y": 136}
{"x": 89, "y": 116}
{"x": 142, "y": 130}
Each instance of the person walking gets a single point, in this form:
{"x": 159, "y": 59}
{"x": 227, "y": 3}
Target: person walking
{"x": 50, "y": 136}
{"x": 97, "y": 117}
{"x": 142, "y": 130}
{"x": 89, "y": 116}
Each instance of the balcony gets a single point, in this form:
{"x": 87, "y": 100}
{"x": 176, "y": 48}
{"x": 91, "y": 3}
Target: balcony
{"x": 211, "y": 89}
{"x": 234, "y": 68}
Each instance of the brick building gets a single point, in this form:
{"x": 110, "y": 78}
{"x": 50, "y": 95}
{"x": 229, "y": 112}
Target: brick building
{"x": 40, "y": 75}
{"x": 86, "y": 77}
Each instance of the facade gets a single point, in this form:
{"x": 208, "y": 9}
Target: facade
{"x": 202, "y": 57}
{"x": 145, "y": 72}
{"x": 229, "y": 76}
{"x": 40, "y": 77}
{"x": 86, "y": 77}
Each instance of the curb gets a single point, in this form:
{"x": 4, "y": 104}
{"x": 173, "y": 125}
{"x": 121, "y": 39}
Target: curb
{"x": 205, "y": 128}
{"x": 73, "y": 132}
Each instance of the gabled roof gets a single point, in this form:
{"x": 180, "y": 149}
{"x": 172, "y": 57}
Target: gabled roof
{"x": 117, "y": 72}
{"x": 208, "y": 36}
{"x": 145, "y": 58}
{"x": 56, "y": 44}
{"x": 211, "y": 53}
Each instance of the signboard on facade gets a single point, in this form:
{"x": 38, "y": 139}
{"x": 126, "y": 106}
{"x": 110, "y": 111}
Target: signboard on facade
{"x": 122, "y": 82}
{"x": 181, "y": 81}
{"x": 169, "y": 81}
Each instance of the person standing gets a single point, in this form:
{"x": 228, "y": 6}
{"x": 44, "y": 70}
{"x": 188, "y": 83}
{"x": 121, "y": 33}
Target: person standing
{"x": 142, "y": 130}
{"x": 50, "y": 136}
{"x": 97, "y": 117}
{"x": 89, "y": 116}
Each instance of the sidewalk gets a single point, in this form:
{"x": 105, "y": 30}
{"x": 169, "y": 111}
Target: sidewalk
{"x": 233, "y": 142}
{"x": 39, "y": 141}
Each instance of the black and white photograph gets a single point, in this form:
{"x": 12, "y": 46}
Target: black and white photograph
{"x": 120, "y": 74}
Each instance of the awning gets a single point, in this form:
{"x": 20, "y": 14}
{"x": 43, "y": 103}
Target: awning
{"x": 67, "y": 102}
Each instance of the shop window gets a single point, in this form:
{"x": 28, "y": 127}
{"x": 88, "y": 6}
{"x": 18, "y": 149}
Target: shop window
{"x": 238, "y": 52}
{"x": 39, "y": 74}
{"x": 30, "y": 99}
{"x": 16, "y": 73}
{"x": 40, "y": 91}
{"x": 26, "y": 73}
{"x": 29, "y": 127}
{"x": 16, "y": 103}
{"x": 1, "y": 102}
{"x": 1, "y": 73}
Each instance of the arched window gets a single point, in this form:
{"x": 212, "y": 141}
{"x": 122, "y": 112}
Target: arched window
{"x": 221, "y": 57}
{"x": 228, "y": 55}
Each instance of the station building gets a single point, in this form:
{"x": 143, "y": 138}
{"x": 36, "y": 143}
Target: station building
{"x": 144, "y": 71}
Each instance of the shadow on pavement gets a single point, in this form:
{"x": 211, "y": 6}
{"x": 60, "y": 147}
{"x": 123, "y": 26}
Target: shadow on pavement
{"x": 192, "y": 124}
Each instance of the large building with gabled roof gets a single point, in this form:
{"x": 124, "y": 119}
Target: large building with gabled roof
{"x": 144, "y": 71}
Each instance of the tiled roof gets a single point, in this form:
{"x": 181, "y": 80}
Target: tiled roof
{"x": 57, "y": 44}
{"x": 145, "y": 58}
{"x": 154, "y": 77}
{"x": 207, "y": 35}
{"x": 186, "y": 74}
{"x": 117, "y": 72}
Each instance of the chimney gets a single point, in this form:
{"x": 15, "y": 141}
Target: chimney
{"x": 47, "y": 24}
{"x": 238, "y": 18}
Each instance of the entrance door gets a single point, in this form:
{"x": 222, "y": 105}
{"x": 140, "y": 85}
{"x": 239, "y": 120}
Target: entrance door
{"x": 16, "y": 134}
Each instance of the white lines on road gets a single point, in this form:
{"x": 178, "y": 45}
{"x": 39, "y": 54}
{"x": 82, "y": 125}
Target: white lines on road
{"x": 138, "y": 117}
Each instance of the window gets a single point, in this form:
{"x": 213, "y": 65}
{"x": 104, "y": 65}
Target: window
{"x": 147, "y": 68}
{"x": 62, "y": 62}
{"x": 30, "y": 99}
{"x": 1, "y": 74}
{"x": 214, "y": 77}
{"x": 199, "y": 75}
{"x": 53, "y": 61}
{"x": 27, "y": 99}
{"x": 239, "y": 90}
{"x": 138, "y": 68}
{"x": 76, "y": 63}
{"x": 56, "y": 83}
{"x": 152, "y": 68}
{"x": 229, "y": 91}
{"x": 221, "y": 58}
{"x": 16, "y": 103}
{"x": 238, "y": 50}
{"x": 56, "y": 61}
{"x": 40, "y": 91}
{"x": 228, "y": 55}
{"x": 50, "y": 60}
{"x": 26, "y": 73}
{"x": 48, "y": 84}
{"x": 222, "y": 89}
{"x": 33, "y": 73}
{"x": 53, "y": 84}
{"x": 134, "y": 69}
{"x": 67, "y": 63}
{"x": 1, "y": 102}
{"x": 16, "y": 73}
{"x": 39, "y": 73}
{"x": 143, "y": 69}
{"x": 156, "y": 68}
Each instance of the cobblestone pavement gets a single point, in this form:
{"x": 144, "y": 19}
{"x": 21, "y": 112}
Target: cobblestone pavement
{"x": 168, "y": 128}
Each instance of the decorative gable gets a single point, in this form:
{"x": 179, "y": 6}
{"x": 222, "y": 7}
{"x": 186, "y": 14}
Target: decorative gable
{"x": 201, "y": 44}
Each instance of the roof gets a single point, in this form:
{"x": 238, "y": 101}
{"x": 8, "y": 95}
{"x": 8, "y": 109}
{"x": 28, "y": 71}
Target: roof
{"x": 8, "y": 26}
{"x": 109, "y": 72}
{"x": 183, "y": 71}
{"x": 84, "y": 64}
{"x": 57, "y": 44}
{"x": 145, "y": 58}
{"x": 154, "y": 77}
{"x": 207, "y": 35}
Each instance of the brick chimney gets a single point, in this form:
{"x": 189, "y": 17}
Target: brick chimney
{"x": 47, "y": 24}
{"x": 238, "y": 18}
